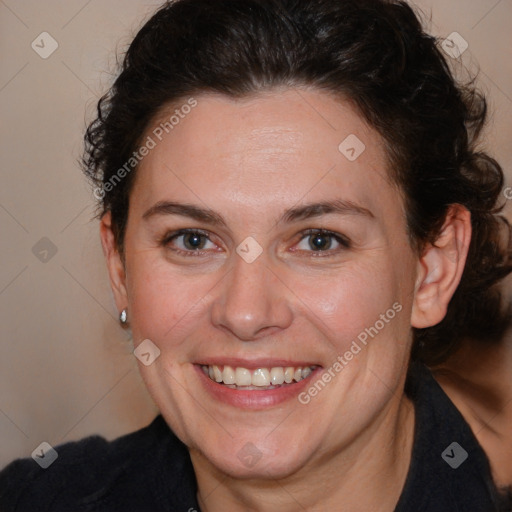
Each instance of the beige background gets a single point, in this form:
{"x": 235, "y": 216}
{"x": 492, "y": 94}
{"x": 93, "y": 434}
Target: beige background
{"x": 66, "y": 367}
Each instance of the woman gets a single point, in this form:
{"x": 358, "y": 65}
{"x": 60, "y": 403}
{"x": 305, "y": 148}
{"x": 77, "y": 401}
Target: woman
{"x": 288, "y": 194}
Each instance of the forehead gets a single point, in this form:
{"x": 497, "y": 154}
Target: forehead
{"x": 270, "y": 148}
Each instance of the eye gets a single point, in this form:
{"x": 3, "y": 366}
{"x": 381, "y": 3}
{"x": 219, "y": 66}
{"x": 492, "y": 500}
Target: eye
{"x": 321, "y": 240}
{"x": 187, "y": 241}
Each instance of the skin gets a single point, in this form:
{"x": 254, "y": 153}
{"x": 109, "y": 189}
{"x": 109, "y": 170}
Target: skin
{"x": 477, "y": 379}
{"x": 250, "y": 160}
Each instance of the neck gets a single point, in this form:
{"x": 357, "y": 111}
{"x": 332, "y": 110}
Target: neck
{"x": 367, "y": 475}
{"x": 478, "y": 377}
{"x": 477, "y": 380}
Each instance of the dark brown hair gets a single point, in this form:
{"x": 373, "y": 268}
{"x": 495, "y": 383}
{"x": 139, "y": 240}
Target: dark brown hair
{"x": 374, "y": 52}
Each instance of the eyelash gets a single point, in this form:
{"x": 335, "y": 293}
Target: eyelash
{"x": 169, "y": 237}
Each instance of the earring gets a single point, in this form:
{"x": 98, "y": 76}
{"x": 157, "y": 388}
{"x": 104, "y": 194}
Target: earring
{"x": 123, "y": 317}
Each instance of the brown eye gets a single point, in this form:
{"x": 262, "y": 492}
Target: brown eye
{"x": 193, "y": 241}
{"x": 318, "y": 240}
{"x": 186, "y": 241}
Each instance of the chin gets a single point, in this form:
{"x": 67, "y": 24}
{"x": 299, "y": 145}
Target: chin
{"x": 245, "y": 459}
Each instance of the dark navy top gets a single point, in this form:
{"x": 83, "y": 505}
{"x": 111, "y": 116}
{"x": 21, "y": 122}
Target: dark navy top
{"x": 150, "y": 470}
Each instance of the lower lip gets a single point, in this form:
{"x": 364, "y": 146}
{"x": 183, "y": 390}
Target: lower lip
{"x": 253, "y": 399}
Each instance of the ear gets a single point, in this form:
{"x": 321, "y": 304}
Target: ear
{"x": 440, "y": 268}
{"x": 115, "y": 264}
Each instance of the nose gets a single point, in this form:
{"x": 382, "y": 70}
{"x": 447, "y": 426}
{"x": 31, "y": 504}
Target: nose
{"x": 252, "y": 301}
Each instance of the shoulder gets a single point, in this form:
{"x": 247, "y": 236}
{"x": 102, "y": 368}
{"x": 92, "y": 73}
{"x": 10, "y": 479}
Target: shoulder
{"x": 449, "y": 470}
{"x": 95, "y": 474}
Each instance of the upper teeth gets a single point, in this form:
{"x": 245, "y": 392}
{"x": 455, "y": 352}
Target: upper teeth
{"x": 260, "y": 377}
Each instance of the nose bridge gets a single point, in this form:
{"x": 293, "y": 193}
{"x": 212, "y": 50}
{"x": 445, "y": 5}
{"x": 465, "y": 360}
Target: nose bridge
{"x": 251, "y": 301}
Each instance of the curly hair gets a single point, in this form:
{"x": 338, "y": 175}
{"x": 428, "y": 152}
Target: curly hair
{"x": 376, "y": 54}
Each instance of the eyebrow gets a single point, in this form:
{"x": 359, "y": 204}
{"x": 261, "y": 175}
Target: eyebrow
{"x": 185, "y": 210}
{"x": 297, "y": 213}
{"x": 337, "y": 206}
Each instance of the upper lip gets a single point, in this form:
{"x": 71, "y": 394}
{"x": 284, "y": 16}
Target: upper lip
{"x": 254, "y": 363}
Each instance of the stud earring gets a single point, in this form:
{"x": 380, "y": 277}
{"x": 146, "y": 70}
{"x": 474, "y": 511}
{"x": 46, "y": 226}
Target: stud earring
{"x": 123, "y": 317}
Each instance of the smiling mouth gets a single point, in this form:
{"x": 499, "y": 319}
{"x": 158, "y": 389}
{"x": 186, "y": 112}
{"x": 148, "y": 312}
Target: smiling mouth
{"x": 259, "y": 378}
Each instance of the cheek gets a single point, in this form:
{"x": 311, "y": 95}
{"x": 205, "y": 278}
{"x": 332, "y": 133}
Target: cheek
{"x": 164, "y": 306}
{"x": 344, "y": 303}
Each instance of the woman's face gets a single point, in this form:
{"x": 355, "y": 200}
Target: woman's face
{"x": 255, "y": 287}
